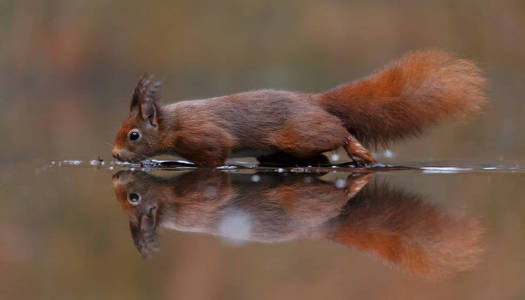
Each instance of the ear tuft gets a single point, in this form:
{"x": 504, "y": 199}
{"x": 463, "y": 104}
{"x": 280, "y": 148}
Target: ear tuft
{"x": 145, "y": 98}
{"x": 153, "y": 92}
{"x": 144, "y": 237}
{"x": 140, "y": 91}
{"x": 138, "y": 241}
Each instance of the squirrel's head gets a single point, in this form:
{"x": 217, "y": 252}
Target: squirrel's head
{"x": 149, "y": 200}
{"x": 139, "y": 137}
{"x": 142, "y": 203}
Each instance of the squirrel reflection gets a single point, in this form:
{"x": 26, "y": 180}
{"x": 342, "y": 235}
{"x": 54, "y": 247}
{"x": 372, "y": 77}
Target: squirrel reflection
{"x": 398, "y": 227}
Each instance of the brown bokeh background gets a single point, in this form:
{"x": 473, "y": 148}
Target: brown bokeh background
{"x": 68, "y": 69}
{"x": 69, "y": 66}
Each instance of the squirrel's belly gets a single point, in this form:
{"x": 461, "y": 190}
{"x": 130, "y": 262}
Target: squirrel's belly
{"x": 248, "y": 153}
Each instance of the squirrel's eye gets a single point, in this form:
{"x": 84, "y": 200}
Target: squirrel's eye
{"x": 134, "y": 135}
{"x": 133, "y": 198}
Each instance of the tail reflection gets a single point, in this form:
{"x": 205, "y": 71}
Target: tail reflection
{"x": 399, "y": 227}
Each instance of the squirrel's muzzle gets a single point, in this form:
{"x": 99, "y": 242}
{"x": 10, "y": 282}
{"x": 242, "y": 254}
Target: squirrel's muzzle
{"x": 122, "y": 154}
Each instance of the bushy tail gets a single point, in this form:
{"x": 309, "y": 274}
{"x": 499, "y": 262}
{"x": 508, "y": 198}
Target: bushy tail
{"x": 407, "y": 232}
{"x": 415, "y": 92}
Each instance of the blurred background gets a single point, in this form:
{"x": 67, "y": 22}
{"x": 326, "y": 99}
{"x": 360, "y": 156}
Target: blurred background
{"x": 69, "y": 67}
{"x": 67, "y": 72}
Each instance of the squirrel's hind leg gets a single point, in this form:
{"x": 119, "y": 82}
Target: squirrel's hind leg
{"x": 316, "y": 132}
{"x": 357, "y": 152}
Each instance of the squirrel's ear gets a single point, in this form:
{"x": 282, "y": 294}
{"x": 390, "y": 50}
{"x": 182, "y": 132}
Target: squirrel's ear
{"x": 139, "y": 92}
{"x": 148, "y": 105}
{"x": 138, "y": 239}
{"x": 145, "y": 98}
{"x": 144, "y": 233}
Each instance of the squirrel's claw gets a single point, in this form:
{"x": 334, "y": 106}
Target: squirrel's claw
{"x": 357, "y": 152}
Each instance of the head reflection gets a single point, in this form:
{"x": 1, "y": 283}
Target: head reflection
{"x": 396, "y": 226}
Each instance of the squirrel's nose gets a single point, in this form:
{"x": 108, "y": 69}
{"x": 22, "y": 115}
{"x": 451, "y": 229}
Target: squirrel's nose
{"x": 116, "y": 153}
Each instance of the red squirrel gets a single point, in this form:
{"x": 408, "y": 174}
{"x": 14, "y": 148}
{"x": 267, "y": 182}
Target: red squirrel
{"x": 412, "y": 93}
{"x": 400, "y": 228}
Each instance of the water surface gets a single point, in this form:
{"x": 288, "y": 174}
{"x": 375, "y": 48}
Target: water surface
{"x": 436, "y": 231}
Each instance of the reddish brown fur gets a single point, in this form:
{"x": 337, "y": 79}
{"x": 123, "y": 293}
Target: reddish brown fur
{"x": 398, "y": 227}
{"x": 407, "y": 232}
{"x": 415, "y": 92}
